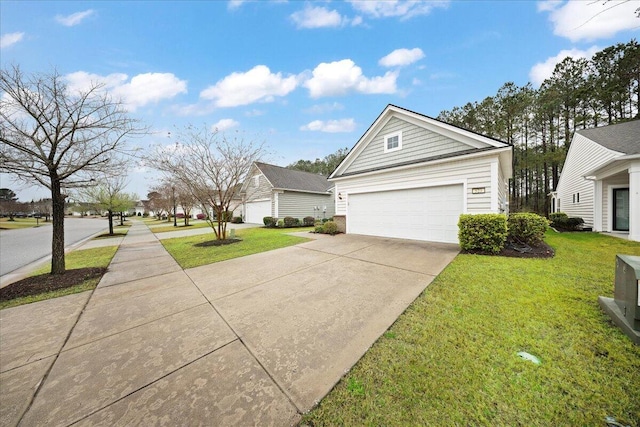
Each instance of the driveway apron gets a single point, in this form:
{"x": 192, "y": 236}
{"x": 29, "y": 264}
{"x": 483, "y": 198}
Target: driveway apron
{"x": 257, "y": 340}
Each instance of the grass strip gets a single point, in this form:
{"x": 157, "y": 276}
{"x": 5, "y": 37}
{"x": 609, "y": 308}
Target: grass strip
{"x": 253, "y": 240}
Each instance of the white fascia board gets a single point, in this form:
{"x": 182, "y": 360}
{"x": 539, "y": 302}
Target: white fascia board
{"x": 422, "y": 164}
{"x": 608, "y": 169}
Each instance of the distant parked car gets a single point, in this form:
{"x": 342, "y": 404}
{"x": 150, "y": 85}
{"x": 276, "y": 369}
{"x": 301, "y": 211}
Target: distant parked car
{"x": 201, "y": 216}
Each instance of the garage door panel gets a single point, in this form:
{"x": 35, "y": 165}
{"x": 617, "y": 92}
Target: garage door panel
{"x": 421, "y": 214}
{"x": 256, "y": 211}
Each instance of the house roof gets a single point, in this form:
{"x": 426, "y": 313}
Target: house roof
{"x": 477, "y": 142}
{"x": 622, "y": 137}
{"x": 289, "y": 179}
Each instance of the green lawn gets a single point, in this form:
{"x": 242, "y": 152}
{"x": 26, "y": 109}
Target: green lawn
{"x": 164, "y": 226}
{"x": 5, "y": 224}
{"x": 451, "y": 358}
{"x": 254, "y": 240}
{"x": 97, "y": 257}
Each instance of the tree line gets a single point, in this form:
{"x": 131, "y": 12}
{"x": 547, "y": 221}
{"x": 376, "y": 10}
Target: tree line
{"x": 540, "y": 123}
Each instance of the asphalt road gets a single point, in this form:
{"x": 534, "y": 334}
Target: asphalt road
{"x": 24, "y": 246}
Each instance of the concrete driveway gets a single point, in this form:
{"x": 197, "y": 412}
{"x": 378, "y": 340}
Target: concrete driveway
{"x": 256, "y": 340}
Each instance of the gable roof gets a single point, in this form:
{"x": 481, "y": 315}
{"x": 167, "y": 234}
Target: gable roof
{"x": 622, "y": 137}
{"x": 477, "y": 143}
{"x": 294, "y": 180}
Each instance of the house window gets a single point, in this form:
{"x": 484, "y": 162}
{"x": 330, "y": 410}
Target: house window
{"x": 574, "y": 198}
{"x": 578, "y": 198}
{"x": 393, "y": 142}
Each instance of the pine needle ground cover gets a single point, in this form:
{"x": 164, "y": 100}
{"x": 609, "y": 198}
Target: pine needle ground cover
{"x": 451, "y": 358}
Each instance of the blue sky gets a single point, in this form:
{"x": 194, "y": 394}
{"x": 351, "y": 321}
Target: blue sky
{"x": 307, "y": 78}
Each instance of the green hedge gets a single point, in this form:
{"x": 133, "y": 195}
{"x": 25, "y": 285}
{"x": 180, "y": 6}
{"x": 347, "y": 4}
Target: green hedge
{"x": 485, "y": 233}
{"x": 528, "y": 228}
{"x": 561, "y": 221}
{"x": 269, "y": 221}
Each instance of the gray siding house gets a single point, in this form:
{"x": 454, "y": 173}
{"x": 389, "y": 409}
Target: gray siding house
{"x": 279, "y": 192}
{"x": 411, "y": 176}
{"x": 600, "y": 179}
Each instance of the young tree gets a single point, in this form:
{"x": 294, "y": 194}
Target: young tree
{"x": 109, "y": 195}
{"x": 211, "y": 167}
{"x": 160, "y": 200}
{"x": 59, "y": 138}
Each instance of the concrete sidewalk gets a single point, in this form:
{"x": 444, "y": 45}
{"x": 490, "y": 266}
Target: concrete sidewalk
{"x": 256, "y": 340}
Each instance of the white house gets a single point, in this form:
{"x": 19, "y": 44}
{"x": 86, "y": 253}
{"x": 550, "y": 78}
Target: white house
{"x": 279, "y": 192}
{"x": 600, "y": 180}
{"x": 411, "y": 176}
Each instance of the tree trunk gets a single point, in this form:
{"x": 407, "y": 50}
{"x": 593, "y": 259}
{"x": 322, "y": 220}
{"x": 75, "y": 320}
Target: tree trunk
{"x": 110, "y": 223}
{"x": 57, "y": 242}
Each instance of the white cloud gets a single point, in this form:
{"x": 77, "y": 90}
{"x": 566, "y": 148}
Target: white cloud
{"x": 224, "y": 124}
{"x": 141, "y": 90}
{"x": 256, "y": 85}
{"x": 404, "y": 9}
{"x": 234, "y": 4}
{"x": 544, "y": 70}
{"x": 342, "y": 77}
{"x": 402, "y": 57}
{"x": 330, "y": 126}
{"x": 74, "y": 18}
{"x": 317, "y": 17}
{"x": 10, "y": 39}
{"x": 590, "y": 20}
{"x": 324, "y": 108}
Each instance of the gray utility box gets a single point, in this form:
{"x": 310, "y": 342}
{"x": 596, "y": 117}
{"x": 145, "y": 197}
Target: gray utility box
{"x": 624, "y": 308}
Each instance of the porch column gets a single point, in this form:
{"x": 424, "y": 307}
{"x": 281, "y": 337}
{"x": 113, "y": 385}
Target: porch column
{"x": 597, "y": 205}
{"x": 634, "y": 201}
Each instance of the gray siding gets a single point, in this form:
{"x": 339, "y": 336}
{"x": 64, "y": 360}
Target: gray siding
{"x": 299, "y": 205}
{"x": 261, "y": 191}
{"x": 417, "y": 143}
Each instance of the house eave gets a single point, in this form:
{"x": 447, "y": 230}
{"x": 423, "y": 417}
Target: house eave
{"x": 324, "y": 193}
{"x": 420, "y": 163}
{"x": 605, "y": 170}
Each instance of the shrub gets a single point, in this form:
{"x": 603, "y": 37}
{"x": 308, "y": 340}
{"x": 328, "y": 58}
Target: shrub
{"x": 330, "y": 227}
{"x": 527, "y": 228}
{"x": 324, "y": 220}
{"x": 236, "y": 220}
{"x": 269, "y": 221}
{"x": 485, "y": 233}
{"x": 308, "y": 221}
{"x": 319, "y": 229}
{"x": 561, "y": 221}
{"x": 201, "y": 216}
{"x": 290, "y": 221}
{"x": 280, "y": 223}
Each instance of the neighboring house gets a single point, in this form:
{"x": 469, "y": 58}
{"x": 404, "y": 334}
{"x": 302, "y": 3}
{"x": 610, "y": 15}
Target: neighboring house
{"x": 280, "y": 192}
{"x": 411, "y": 176}
{"x": 600, "y": 179}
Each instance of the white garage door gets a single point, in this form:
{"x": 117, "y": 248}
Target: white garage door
{"x": 256, "y": 211}
{"x": 420, "y": 213}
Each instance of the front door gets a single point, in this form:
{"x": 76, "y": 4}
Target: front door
{"x": 621, "y": 209}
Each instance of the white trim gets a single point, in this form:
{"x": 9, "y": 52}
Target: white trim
{"x": 467, "y": 137}
{"x": 597, "y": 205}
{"x": 275, "y": 204}
{"x": 422, "y": 164}
{"x": 610, "y": 212}
{"x": 388, "y": 137}
{"x": 495, "y": 182}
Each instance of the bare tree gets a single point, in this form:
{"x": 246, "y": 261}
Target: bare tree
{"x": 58, "y": 138}
{"x": 160, "y": 199}
{"x": 211, "y": 167}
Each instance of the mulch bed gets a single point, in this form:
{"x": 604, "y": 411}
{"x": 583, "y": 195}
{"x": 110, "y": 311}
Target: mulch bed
{"x": 48, "y": 282}
{"x": 517, "y": 250}
{"x": 217, "y": 243}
